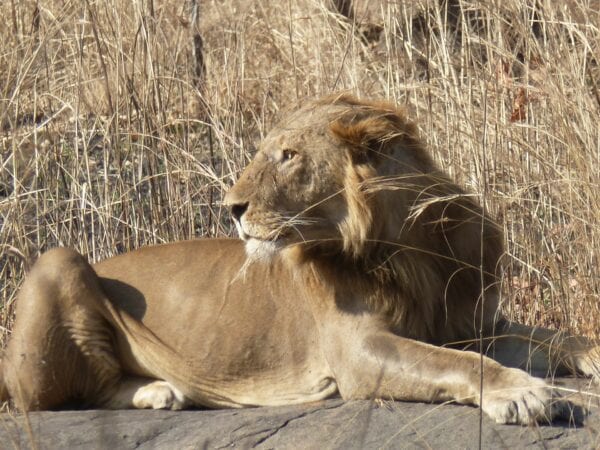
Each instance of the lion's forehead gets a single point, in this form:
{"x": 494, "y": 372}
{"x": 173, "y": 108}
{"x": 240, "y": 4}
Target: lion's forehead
{"x": 296, "y": 138}
{"x": 311, "y": 119}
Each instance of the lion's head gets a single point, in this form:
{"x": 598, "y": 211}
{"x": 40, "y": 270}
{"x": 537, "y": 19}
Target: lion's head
{"x": 316, "y": 177}
{"x": 348, "y": 185}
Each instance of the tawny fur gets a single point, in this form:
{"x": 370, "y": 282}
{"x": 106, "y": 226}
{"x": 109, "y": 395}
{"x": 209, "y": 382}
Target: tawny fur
{"x": 362, "y": 259}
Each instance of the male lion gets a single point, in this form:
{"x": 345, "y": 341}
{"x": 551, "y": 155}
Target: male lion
{"x": 358, "y": 259}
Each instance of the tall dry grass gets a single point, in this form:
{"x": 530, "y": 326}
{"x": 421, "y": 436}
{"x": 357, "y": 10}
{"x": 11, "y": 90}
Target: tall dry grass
{"x": 108, "y": 144}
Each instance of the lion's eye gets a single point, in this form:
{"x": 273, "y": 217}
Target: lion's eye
{"x": 288, "y": 154}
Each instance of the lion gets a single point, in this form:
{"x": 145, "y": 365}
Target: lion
{"x": 362, "y": 271}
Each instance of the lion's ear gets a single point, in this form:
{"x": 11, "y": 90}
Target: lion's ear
{"x": 373, "y": 136}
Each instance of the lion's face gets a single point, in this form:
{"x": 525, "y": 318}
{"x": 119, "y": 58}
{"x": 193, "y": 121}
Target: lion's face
{"x": 317, "y": 177}
{"x": 292, "y": 191}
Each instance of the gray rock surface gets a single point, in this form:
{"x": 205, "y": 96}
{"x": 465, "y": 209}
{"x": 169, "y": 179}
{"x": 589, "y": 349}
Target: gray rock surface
{"x": 322, "y": 425}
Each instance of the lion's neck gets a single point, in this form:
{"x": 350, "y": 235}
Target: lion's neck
{"x": 370, "y": 284}
{"x": 407, "y": 293}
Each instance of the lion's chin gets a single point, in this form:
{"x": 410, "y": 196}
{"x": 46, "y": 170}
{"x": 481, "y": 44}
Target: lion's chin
{"x": 259, "y": 250}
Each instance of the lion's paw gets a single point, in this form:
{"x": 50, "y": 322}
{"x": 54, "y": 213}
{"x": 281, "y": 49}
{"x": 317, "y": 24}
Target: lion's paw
{"x": 516, "y": 397}
{"x": 159, "y": 395}
{"x": 589, "y": 363}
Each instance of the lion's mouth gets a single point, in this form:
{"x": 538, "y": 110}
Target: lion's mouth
{"x": 247, "y": 235}
{"x": 258, "y": 247}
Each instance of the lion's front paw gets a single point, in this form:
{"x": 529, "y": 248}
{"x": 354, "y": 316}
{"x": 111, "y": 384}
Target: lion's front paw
{"x": 159, "y": 395}
{"x": 516, "y": 397}
{"x": 588, "y": 363}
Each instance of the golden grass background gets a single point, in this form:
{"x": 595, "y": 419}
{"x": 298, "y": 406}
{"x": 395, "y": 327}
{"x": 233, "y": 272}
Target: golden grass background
{"x": 108, "y": 142}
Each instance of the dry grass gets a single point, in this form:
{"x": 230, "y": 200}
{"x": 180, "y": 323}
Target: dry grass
{"x": 107, "y": 144}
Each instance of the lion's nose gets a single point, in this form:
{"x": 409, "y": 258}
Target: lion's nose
{"x": 238, "y": 210}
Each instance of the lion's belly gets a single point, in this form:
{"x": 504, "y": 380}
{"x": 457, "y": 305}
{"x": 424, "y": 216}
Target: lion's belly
{"x": 281, "y": 387}
{"x": 224, "y": 336}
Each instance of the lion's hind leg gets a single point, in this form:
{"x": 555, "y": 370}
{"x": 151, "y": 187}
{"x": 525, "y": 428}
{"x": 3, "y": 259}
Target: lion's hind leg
{"x": 61, "y": 348}
{"x": 146, "y": 393}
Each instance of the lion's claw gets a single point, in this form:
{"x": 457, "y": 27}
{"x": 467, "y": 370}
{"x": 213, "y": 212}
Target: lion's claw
{"x": 522, "y": 399}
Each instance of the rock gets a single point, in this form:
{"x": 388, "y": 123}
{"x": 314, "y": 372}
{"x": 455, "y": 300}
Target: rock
{"x": 327, "y": 424}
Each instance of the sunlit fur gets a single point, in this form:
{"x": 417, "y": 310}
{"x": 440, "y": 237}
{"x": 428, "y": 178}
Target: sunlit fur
{"x": 379, "y": 211}
{"x": 359, "y": 253}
